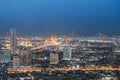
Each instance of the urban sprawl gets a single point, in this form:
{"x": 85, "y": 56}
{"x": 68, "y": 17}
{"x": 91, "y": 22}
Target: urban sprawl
{"x": 59, "y": 57}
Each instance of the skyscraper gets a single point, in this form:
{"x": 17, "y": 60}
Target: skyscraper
{"x": 13, "y": 42}
{"x": 14, "y": 52}
{"x": 25, "y": 56}
{"x": 16, "y": 61}
{"x": 67, "y": 53}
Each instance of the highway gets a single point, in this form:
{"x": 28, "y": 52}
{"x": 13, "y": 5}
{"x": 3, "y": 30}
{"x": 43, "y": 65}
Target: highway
{"x": 96, "y": 68}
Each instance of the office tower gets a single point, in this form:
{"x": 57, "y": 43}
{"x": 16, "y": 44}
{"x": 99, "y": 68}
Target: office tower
{"x": 5, "y": 56}
{"x": 25, "y": 56}
{"x": 16, "y": 60}
{"x": 14, "y": 52}
{"x": 54, "y": 58}
{"x": 13, "y": 41}
{"x": 67, "y": 53}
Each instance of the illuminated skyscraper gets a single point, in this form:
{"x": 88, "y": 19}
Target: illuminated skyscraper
{"x": 14, "y": 52}
{"x": 67, "y": 53}
{"x": 13, "y": 41}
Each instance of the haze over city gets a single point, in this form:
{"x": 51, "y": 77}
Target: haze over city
{"x": 59, "y": 39}
{"x": 84, "y": 17}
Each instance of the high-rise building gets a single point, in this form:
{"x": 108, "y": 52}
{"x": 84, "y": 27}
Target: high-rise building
{"x": 13, "y": 41}
{"x": 3, "y": 73}
{"x": 67, "y": 53}
{"x": 16, "y": 60}
{"x": 5, "y": 56}
{"x": 25, "y": 56}
{"x": 53, "y": 58}
{"x": 14, "y": 52}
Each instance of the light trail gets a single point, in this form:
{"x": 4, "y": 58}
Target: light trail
{"x": 96, "y": 68}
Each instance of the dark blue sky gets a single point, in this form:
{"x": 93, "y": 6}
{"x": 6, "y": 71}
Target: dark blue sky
{"x": 85, "y": 17}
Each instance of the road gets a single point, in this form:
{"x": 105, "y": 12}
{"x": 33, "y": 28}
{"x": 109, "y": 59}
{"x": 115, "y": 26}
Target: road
{"x": 97, "y": 68}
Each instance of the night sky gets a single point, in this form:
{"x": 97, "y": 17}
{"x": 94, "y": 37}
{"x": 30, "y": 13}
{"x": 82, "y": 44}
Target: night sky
{"x": 84, "y": 17}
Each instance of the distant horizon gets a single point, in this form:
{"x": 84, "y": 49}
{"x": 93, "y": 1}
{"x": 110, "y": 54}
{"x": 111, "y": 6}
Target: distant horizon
{"x": 19, "y": 34}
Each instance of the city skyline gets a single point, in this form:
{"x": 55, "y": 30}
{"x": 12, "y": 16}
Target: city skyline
{"x": 60, "y": 17}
